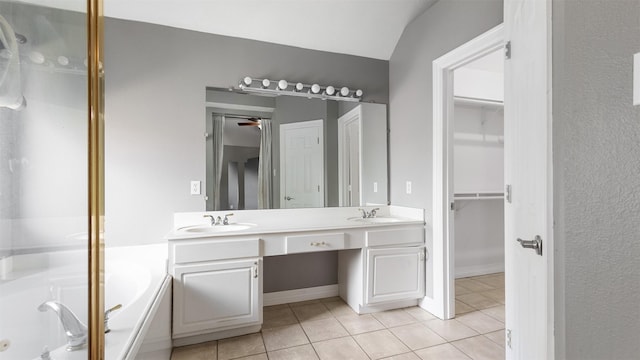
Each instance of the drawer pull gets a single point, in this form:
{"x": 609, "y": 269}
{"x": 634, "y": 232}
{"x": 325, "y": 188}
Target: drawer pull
{"x": 318, "y": 243}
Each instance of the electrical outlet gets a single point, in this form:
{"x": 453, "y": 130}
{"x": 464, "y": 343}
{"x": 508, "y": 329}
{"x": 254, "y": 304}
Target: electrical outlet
{"x": 408, "y": 187}
{"x": 195, "y": 187}
{"x": 375, "y": 187}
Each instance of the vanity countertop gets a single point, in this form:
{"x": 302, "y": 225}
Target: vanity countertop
{"x": 291, "y": 220}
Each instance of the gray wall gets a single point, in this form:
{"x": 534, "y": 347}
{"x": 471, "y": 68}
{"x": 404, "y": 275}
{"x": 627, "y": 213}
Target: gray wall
{"x": 596, "y": 145}
{"x": 443, "y": 27}
{"x": 155, "y": 85}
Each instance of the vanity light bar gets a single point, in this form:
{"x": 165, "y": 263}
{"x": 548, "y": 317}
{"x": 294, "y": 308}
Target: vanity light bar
{"x": 268, "y": 87}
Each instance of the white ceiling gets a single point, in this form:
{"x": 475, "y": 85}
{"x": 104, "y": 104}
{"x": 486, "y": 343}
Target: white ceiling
{"x": 369, "y": 28}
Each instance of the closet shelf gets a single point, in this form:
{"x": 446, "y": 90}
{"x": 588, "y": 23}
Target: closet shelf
{"x": 478, "y": 196}
{"x": 476, "y": 101}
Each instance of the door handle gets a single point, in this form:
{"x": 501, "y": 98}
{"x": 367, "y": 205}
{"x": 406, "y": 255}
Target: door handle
{"x": 535, "y": 244}
{"x": 288, "y": 198}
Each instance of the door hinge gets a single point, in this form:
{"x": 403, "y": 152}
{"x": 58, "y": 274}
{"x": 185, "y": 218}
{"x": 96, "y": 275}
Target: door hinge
{"x": 318, "y": 188}
{"x": 507, "y": 50}
{"x": 453, "y": 206}
{"x": 508, "y": 335}
{"x": 255, "y": 270}
{"x": 318, "y": 141}
{"x": 507, "y": 193}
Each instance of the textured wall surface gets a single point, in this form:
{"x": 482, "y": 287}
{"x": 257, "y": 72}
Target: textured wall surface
{"x": 443, "y": 27}
{"x": 596, "y": 179}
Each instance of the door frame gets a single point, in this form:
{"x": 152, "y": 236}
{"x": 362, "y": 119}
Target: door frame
{"x": 319, "y": 124}
{"x": 352, "y": 115}
{"x": 443, "y": 254}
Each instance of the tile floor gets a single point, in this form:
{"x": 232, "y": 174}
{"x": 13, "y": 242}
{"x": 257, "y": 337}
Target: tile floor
{"x": 329, "y": 329}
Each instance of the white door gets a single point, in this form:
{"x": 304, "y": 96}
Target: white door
{"x": 529, "y": 276}
{"x": 301, "y": 165}
{"x": 216, "y": 296}
{"x": 349, "y": 158}
{"x": 395, "y": 274}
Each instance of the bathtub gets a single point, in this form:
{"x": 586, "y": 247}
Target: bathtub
{"x": 135, "y": 277}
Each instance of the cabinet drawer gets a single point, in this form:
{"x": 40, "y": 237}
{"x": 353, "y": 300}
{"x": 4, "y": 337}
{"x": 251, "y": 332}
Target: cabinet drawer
{"x": 410, "y": 236}
{"x": 311, "y": 243}
{"x": 209, "y": 250}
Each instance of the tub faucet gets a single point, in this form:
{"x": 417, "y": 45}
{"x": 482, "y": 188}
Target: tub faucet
{"x": 74, "y": 329}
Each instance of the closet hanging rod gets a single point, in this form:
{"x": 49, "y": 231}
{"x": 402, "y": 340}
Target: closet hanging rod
{"x": 478, "y": 196}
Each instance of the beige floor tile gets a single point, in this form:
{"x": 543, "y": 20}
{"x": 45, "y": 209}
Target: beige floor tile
{"x": 495, "y": 294}
{"x": 497, "y": 337}
{"x": 307, "y": 302}
{"x": 360, "y": 324}
{"x": 478, "y": 301}
{"x": 451, "y": 330}
{"x": 240, "y": 346}
{"x": 204, "y": 351}
{"x": 417, "y": 336}
{"x": 342, "y": 348}
{"x": 304, "y": 352}
{"x": 461, "y": 290}
{"x": 474, "y": 285}
{"x": 284, "y": 337}
{"x": 310, "y": 312}
{"x": 442, "y": 352}
{"x": 405, "y": 356}
{"x": 393, "y": 318}
{"x": 339, "y": 308}
{"x": 496, "y": 312}
{"x": 480, "y": 348}
{"x": 278, "y": 317}
{"x": 380, "y": 344}
{"x": 462, "y": 308}
{"x": 275, "y": 307}
{"x": 323, "y": 329}
{"x": 496, "y": 282}
{"x": 480, "y": 322}
{"x": 262, "y": 356}
{"x": 419, "y": 313}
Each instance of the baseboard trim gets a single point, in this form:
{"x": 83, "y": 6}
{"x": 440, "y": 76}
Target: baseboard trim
{"x": 477, "y": 270}
{"x": 289, "y": 296}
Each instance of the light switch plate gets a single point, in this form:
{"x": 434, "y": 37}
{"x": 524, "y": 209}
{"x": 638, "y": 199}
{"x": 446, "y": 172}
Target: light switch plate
{"x": 408, "y": 187}
{"x": 636, "y": 79}
{"x": 375, "y": 187}
{"x": 195, "y": 188}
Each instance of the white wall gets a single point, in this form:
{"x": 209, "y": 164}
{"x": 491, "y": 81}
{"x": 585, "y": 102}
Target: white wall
{"x": 443, "y": 27}
{"x": 478, "y": 157}
{"x": 596, "y": 154}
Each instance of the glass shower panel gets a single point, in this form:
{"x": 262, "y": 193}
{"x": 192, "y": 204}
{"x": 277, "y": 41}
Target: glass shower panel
{"x": 43, "y": 179}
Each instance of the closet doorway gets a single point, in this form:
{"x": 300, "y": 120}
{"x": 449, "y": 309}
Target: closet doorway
{"x": 468, "y": 177}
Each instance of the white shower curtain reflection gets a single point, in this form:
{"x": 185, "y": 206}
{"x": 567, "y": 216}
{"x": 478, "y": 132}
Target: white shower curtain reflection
{"x": 264, "y": 166}
{"x": 218, "y": 152}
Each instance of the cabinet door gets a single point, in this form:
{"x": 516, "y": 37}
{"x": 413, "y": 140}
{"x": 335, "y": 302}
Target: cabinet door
{"x": 395, "y": 274}
{"x": 216, "y": 296}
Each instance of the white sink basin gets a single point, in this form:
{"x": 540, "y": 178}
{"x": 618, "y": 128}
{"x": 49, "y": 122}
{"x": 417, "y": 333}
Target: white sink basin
{"x": 207, "y": 229}
{"x": 375, "y": 220}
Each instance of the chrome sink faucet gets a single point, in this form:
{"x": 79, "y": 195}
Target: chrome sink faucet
{"x": 226, "y": 219}
{"x": 212, "y": 218}
{"x": 370, "y": 214}
{"x": 74, "y": 329}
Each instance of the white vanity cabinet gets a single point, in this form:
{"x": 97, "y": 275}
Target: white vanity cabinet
{"x": 217, "y": 287}
{"x": 389, "y": 272}
{"x": 394, "y": 274}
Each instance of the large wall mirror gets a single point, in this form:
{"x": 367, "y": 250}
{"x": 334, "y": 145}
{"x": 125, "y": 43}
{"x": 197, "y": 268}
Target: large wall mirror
{"x": 293, "y": 152}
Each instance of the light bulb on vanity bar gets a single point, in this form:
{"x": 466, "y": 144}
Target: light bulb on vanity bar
{"x": 315, "y": 88}
{"x": 282, "y": 85}
{"x": 299, "y": 87}
{"x": 265, "y": 83}
{"x": 247, "y": 81}
{"x": 344, "y": 91}
{"x": 330, "y": 90}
